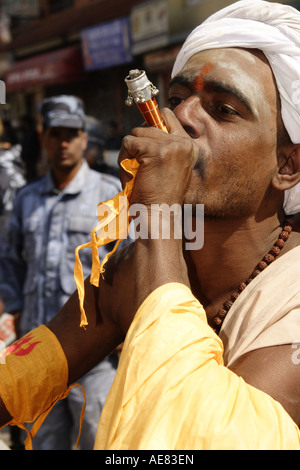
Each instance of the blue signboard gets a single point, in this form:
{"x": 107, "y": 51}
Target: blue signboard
{"x": 106, "y": 44}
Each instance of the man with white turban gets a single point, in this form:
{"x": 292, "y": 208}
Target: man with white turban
{"x": 212, "y": 335}
{"x": 275, "y": 30}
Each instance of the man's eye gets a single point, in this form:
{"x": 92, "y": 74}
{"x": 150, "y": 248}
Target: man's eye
{"x": 225, "y": 109}
{"x": 174, "y": 101}
{"x": 73, "y": 133}
{"x": 54, "y": 134}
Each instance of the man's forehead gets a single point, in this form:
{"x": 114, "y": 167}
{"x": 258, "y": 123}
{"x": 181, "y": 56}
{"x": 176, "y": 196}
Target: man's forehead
{"x": 246, "y": 70}
{"x": 64, "y": 129}
{"x": 231, "y": 60}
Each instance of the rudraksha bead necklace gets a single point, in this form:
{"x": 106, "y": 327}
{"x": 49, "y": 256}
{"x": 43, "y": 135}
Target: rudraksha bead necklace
{"x": 217, "y": 321}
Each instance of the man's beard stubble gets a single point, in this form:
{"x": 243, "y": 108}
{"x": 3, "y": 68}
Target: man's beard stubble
{"x": 231, "y": 202}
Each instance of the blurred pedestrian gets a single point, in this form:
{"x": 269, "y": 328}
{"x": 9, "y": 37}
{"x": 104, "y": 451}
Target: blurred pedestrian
{"x": 95, "y": 147}
{"x": 31, "y": 147}
{"x": 114, "y": 137}
{"x": 9, "y": 135}
{"x": 52, "y": 216}
{"x": 12, "y": 178}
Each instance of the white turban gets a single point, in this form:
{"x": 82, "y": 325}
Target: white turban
{"x": 274, "y": 29}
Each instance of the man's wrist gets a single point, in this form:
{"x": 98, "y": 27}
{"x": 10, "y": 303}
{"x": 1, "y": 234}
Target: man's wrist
{"x": 157, "y": 221}
{"x": 158, "y": 262}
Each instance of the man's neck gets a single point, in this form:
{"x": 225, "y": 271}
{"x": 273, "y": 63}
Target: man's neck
{"x": 230, "y": 254}
{"x": 62, "y": 177}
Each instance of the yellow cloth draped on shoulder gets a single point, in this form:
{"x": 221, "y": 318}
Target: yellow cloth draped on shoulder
{"x": 172, "y": 391}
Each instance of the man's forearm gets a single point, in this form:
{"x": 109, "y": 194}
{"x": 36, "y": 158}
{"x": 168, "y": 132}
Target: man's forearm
{"x": 81, "y": 349}
{"x": 85, "y": 347}
{"x": 150, "y": 273}
{"x": 157, "y": 262}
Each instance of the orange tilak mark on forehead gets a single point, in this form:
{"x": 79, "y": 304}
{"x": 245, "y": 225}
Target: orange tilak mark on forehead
{"x": 199, "y": 81}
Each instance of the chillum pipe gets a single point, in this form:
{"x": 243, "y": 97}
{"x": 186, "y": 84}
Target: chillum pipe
{"x": 142, "y": 92}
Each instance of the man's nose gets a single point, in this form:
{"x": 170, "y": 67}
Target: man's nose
{"x": 64, "y": 139}
{"x": 191, "y": 115}
{"x": 64, "y": 143}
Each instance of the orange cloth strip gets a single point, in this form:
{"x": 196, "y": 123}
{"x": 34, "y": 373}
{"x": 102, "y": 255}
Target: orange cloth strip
{"x": 113, "y": 216}
{"x": 113, "y": 225}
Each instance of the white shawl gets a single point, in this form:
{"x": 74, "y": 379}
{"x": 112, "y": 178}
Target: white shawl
{"x": 267, "y": 312}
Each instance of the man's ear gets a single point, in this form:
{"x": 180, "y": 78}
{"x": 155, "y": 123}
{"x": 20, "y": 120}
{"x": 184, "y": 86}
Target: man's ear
{"x": 44, "y": 137}
{"x": 84, "y": 140}
{"x": 288, "y": 174}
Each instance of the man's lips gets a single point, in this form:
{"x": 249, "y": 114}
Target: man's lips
{"x": 63, "y": 155}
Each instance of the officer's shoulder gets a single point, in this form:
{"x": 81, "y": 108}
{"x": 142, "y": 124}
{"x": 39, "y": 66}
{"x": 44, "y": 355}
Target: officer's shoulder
{"x": 104, "y": 178}
{"x": 31, "y": 187}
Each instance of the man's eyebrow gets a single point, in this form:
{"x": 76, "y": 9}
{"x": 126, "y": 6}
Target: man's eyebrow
{"x": 183, "y": 80}
{"x": 222, "y": 87}
{"x": 212, "y": 85}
